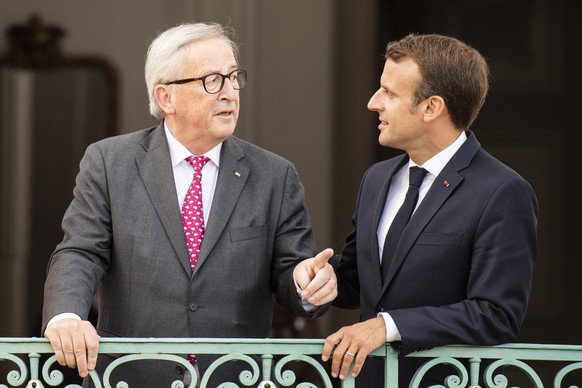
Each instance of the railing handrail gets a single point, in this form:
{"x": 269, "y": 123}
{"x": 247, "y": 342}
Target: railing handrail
{"x": 178, "y": 345}
{"x": 564, "y": 352}
{"x": 526, "y": 351}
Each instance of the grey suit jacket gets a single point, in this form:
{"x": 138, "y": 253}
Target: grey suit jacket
{"x": 124, "y": 242}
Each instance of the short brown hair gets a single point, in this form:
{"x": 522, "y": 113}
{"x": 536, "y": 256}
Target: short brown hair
{"x": 450, "y": 69}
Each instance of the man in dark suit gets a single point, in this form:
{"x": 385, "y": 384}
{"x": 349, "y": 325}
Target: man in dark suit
{"x": 124, "y": 236}
{"x": 458, "y": 271}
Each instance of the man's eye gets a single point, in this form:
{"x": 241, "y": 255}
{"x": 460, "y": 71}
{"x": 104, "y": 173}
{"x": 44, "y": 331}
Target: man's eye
{"x": 213, "y": 79}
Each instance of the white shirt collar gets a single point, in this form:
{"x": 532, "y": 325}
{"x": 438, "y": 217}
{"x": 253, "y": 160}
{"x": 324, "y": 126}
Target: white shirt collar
{"x": 436, "y": 164}
{"x": 178, "y": 152}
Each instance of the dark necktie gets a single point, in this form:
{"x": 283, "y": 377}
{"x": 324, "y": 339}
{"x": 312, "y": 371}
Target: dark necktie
{"x": 401, "y": 219}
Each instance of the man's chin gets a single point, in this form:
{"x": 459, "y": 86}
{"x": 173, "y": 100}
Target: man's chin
{"x": 224, "y": 131}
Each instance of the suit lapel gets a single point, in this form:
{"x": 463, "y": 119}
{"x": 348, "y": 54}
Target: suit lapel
{"x": 155, "y": 170}
{"x": 232, "y": 176}
{"x": 432, "y": 202}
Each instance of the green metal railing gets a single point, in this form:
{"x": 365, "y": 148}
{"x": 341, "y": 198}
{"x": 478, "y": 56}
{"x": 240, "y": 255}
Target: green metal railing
{"x": 29, "y": 362}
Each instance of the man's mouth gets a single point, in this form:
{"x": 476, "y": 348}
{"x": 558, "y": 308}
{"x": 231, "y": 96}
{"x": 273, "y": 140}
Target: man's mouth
{"x": 224, "y": 113}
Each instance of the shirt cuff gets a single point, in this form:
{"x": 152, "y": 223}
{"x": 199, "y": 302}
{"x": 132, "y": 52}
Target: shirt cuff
{"x": 58, "y": 317}
{"x": 392, "y": 333}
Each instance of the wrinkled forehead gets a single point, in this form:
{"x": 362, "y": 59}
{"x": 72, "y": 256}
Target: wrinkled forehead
{"x": 214, "y": 55}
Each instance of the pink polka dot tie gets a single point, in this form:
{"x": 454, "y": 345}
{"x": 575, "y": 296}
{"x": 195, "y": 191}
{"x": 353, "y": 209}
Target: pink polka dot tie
{"x": 192, "y": 212}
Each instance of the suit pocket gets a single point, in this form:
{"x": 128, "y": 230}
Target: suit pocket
{"x": 440, "y": 239}
{"x": 249, "y": 233}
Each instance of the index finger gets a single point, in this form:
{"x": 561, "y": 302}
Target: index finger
{"x": 322, "y": 258}
{"x": 92, "y": 342}
{"x": 80, "y": 353}
{"x": 330, "y": 342}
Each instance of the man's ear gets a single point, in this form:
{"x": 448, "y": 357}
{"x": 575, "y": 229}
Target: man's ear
{"x": 164, "y": 99}
{"x": 434, "y": 107}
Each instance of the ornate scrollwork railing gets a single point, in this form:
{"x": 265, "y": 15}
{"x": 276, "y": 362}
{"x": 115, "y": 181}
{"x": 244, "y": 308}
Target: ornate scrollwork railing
{"x": 554, "y": 366}
{"x": 267, "y": 362}
{"x": 29, "y": 362}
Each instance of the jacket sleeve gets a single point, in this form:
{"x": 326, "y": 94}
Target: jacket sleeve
{"x": 293, "y": 243}
{"x": 80, "y": 261}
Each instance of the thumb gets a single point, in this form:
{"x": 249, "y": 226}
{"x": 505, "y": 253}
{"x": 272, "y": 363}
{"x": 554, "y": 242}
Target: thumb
{"x": 322, "y": 258}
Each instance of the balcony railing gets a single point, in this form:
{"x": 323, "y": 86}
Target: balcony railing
{"x": 29, "y": 362}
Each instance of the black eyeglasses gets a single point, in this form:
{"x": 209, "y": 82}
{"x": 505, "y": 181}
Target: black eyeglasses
{"x": 213, "y": 83}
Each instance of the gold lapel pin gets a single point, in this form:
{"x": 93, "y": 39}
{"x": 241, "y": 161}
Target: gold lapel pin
{"x": 237, "y": 174}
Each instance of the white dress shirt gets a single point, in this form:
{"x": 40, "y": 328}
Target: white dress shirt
{"x": 395, "y": 199}
{"x": 183, "y": 172}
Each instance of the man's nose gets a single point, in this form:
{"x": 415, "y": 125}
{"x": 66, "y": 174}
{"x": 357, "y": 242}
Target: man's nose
{"x": 228, "y": 91}
{"x": 373, "y": 103}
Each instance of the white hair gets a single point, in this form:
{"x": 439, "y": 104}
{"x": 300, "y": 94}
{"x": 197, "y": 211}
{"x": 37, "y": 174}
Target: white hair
{"x": 166, "y": 54}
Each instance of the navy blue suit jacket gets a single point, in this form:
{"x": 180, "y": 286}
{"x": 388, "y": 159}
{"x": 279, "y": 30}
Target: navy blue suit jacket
{"x": 462, "y": 271}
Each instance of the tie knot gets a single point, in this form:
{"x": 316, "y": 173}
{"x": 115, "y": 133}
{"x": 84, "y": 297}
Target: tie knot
{"x": 416, "y": 176}
{"x": 197, "y": 161}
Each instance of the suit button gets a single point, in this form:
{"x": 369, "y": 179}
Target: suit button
{"x": 193, "y": 306}
{"x": 179, "y": 369}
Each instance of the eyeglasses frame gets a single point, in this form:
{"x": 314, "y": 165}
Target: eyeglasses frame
{"x": 203, "y": 79}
